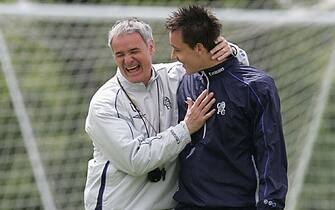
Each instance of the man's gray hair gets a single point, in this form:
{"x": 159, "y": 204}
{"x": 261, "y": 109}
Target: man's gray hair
{"x": 128, "y": 26}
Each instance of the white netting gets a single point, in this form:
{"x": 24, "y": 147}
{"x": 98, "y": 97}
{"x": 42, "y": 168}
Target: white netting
{"x": 56, "y": 63}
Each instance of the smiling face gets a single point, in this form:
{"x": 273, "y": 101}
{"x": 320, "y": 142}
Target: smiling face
{"x": 191, "y": 58}
{"x": 133, "y": 57}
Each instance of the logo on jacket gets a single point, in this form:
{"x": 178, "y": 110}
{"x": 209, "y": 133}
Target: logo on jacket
{"x": 221, "y": 108}
{"x": 139, "y": 115}
{"x": 167, "y": 102}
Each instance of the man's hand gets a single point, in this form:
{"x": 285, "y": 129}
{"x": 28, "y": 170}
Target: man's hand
{"x": 199, "y": 112}
{"x": 222, "y": 49}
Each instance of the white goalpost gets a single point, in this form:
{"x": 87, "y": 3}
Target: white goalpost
{"x": 54, "y": 57}
{"x": 25, "y": 127}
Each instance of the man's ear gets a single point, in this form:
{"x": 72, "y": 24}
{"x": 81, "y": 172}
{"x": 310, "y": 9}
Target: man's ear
{"x": 151, "y": 46}
{"x": 200, "y": 48}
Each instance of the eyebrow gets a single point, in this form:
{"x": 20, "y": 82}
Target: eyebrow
{"x": 130, "y": 50}
{"x": 174, "y": 47}
{"x": 134, "y": 49}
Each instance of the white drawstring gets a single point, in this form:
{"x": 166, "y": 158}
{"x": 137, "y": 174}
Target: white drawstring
{"x": 207, "y": 87}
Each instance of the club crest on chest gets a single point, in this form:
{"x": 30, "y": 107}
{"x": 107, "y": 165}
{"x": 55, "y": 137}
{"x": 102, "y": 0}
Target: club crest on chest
{"x": 221, "y": 108}
{"x": 167, "y": 102}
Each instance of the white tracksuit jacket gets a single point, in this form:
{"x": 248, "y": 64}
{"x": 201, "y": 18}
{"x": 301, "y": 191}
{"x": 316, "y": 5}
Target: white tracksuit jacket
{"x": 123, "y": 153}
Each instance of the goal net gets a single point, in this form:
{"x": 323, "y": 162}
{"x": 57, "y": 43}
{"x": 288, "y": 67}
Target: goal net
{"x": 54, "y": 57}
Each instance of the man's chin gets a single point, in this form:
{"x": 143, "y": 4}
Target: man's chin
{"x": 134, "y": 80}
{"x": 134, "y": 75}
{"x": 188, "y": 71}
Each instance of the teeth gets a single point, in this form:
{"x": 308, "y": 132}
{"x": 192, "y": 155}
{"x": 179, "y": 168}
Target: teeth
{"x": 131, "y": 68}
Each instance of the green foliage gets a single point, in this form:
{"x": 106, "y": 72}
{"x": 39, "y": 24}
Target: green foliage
{"x": 7, "y": 1}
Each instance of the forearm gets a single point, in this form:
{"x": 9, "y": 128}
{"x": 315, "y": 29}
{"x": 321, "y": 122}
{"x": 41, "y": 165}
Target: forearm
{"x": 129, "y": 150}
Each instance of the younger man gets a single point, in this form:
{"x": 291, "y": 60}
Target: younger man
{"x": 243, "y": 142}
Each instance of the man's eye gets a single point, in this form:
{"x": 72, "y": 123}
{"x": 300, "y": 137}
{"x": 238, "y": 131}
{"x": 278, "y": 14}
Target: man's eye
{"x": 119, "y": 55}
{"x": 134, "y": 51}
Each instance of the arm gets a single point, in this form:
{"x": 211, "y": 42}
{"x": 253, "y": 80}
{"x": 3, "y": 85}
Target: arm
{"x": 223, "y": 49}
{"x": 240, "y": 54}
{"x": 269, "y": 142}
{"x": 125, "y": 146}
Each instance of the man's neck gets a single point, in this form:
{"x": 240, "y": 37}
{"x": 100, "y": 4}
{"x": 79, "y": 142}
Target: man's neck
{"x": 210, "y": 63}
{"x": 146, "y": 82}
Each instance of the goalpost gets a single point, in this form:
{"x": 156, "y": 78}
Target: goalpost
{"x": 54, "y": 57}
{"x": 25, "y": 127}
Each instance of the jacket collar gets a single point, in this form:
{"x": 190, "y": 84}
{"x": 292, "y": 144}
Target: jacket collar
{"x": 221, "y": 67}
{"x": 136, "y": 86}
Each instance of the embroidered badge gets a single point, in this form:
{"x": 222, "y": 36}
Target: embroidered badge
{"x": 221, "y": 108}
{"x": 167, "y": 102}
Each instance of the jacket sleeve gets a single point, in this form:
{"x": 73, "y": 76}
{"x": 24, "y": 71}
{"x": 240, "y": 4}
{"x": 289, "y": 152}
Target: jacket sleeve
{"x": 127, "y": 148}
{"x": 271, "y": 160}
{"x": 240, "y": 54}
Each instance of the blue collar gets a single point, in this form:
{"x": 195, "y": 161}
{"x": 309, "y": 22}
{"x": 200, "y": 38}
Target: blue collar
{"x": 221, "y": 67}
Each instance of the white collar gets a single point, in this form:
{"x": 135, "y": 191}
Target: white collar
{"x": 139, "y": 86}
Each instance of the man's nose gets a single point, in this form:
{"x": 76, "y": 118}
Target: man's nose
{"x": 128, "y": 58}
{"x": 173, "y": 54}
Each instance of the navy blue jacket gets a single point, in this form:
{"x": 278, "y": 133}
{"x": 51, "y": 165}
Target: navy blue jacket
{"x": 242, "y": 143}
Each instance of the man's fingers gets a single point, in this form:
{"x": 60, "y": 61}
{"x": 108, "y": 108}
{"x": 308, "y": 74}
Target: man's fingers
{"x": 189, "y": 102}
{"x": 208, "y": 106}
{"x": 215, "y": 49}
{"x": 209, "y": 114}
{"x": 222, "y": 49}
{"x": 222, "y": 57}
{"x": 201, "y": 97}
{"x": 219, "y": 39}
{"x": 206, "y": 100}
{"x": 220, "y": 43}
{"x": 198, "y": 111}
{"x": 221, "y": 46}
